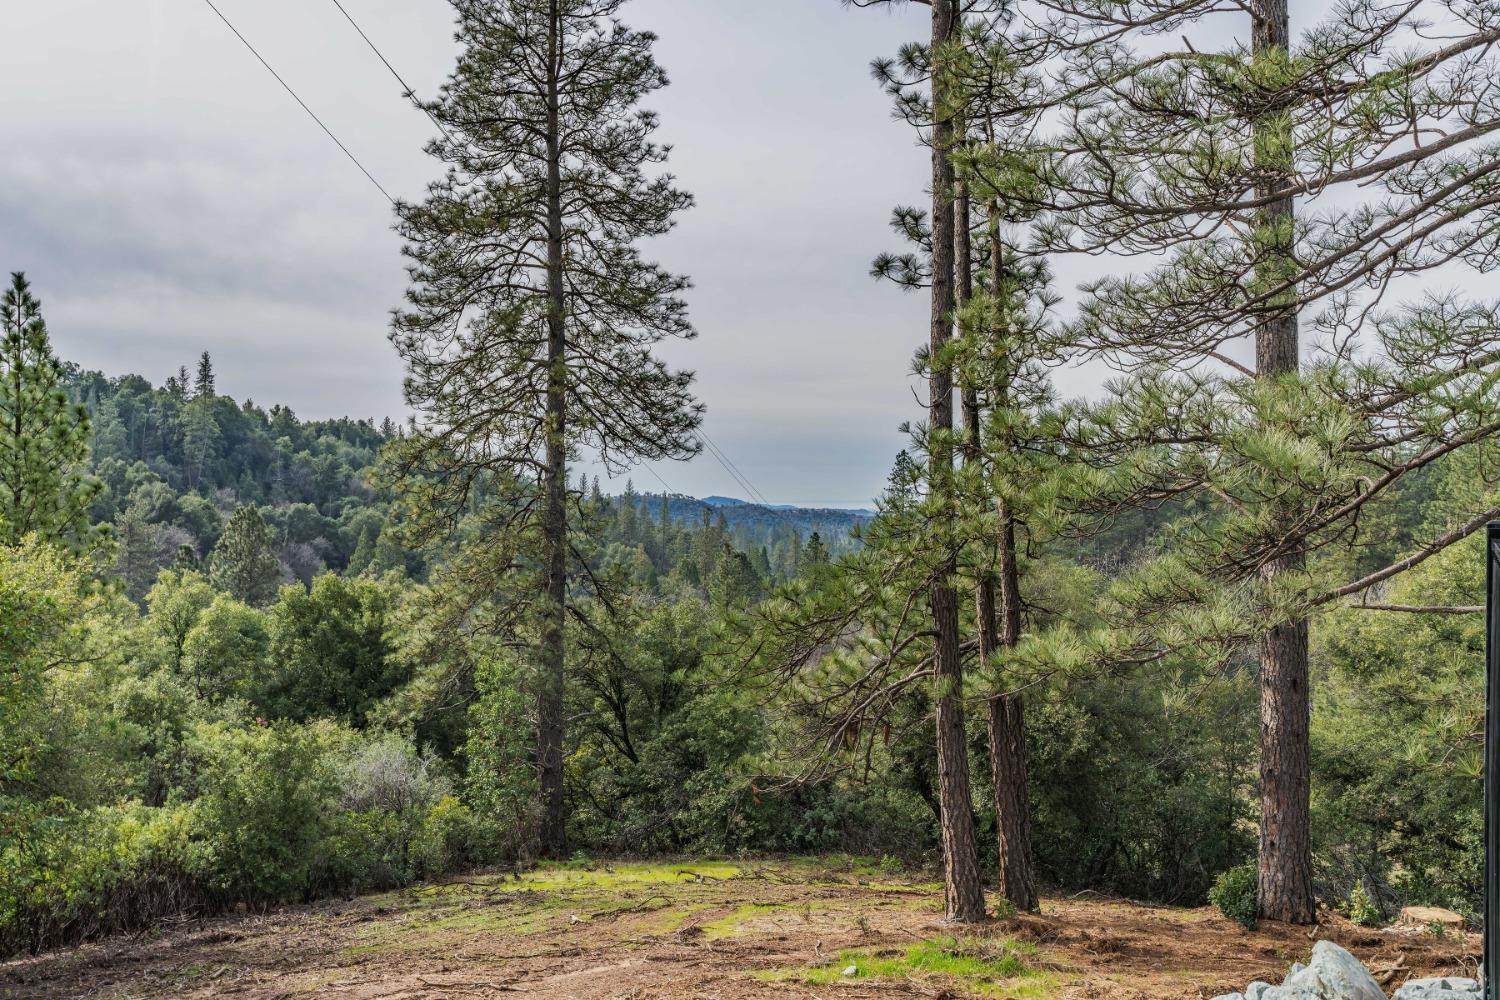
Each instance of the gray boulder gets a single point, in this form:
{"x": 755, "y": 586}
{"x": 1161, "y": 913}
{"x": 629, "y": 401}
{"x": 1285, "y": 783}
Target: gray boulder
{"x": 1255, "y": 991}
{"x": 1333, "y": 974}
{"x": 1439, "y": 988}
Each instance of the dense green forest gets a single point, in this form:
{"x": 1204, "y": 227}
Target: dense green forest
{"x": 1209, "y": 633}
{"x": 248, "y": 634}
{"x": 242, "y": 696}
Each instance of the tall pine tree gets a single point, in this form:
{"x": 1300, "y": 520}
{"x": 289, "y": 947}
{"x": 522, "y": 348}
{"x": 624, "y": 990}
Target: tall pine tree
{"x": 999, "y": 362}
{"x": 44, "y": 437}
{"x": 532, "y": 316}
{"x": 203, "y": 388}
{"x": 1276, "y": 183}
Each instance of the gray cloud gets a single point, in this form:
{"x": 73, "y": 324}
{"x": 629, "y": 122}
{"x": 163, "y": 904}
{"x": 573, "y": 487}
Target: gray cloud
{"x": 167, "y": 197}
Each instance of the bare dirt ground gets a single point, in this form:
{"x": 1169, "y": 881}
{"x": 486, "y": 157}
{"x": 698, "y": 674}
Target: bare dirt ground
{"x": 717, "y": 931}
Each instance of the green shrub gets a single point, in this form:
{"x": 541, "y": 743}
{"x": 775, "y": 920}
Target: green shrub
{"x": 1399, "y": 787}
{"x": 1234, "y": 892}
{"x": 500, "y": 781}
{"x": 80, "y": 875}
{"x": 265, "y": 807}
{"x": 1138, "y": 789}
{"x": 1363, "y": 910}
{"x": 277, "y": 813}
{"x": 449, "y": 839}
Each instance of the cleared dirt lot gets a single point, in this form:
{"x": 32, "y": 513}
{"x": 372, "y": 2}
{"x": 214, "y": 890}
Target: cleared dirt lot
{"x": 629, "y": 931}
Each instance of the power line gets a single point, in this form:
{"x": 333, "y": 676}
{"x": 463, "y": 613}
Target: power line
{"x": 286, "y": 86}
{"x": 739, "y": 477}
{"x": 734, "y": 470}
{"x": 732, "y": 475}
{"x": 657, "y": 476}
{"x": 411, "y": 94}
{"x": 759, "y": 495}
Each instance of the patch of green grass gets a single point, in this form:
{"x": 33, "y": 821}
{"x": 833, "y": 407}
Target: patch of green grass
{"x": 728, "y": 926}
{"x": 650, "y": 899}
{"x": 432, "y": 922}
{"x": 667, "y": 920}
{"x": 541, "y": 899}
{"x": 568, "y": 876}
{"x": 562, "y": 878}
{"x": 989, "y": 967}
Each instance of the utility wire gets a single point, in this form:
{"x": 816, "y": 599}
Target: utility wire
{"x": 411, "y": 94}
{"x": 718, "y": 453}
{"x": 723, "y": 459}
{"x": 759, "y": 495}
{"x": 657, "y": 476}
{"x": 740, "y": 483}
{"x": 286, "y": 86}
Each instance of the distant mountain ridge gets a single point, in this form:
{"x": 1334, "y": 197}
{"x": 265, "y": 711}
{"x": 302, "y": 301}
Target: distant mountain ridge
{"x": 753, "y": 525}
{"x": 718, "y": 501}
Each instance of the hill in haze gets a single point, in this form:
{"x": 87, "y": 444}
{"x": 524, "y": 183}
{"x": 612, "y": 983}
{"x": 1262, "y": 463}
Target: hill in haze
{"x": 754, "y": 525}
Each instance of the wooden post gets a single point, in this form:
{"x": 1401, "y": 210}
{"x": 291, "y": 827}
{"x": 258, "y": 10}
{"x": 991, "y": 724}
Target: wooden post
{"x": 1491, "y": 970}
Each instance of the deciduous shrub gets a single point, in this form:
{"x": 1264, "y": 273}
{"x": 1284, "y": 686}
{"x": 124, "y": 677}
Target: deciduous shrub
{"x": 75, "y": 876}
{"x": 265, "y": 807}
{"x": 264, "y": 814}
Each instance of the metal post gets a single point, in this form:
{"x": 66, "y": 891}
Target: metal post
{"x": 1491, "y": 972}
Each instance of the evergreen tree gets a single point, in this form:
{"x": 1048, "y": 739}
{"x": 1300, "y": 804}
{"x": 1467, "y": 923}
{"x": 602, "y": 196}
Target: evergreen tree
{"x": 244, "y": 564}
{"x": 733, "y": 580}
{"x": 44, "y": 438}
{"x": 186, "y": 560}
{"x": 815, "y": 554}
{"x": 1197, "y": 156}
{"x": 1010, "y": 453}
{"x": 532, "y": 316}
{"x": 203, "y": 388}
{"x": 200, "y": 437}
{"x": 934, "y": 114}
{"x": 135, "y": 551}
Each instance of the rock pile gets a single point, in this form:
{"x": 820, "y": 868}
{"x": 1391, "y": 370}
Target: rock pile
{"x": 1334, "y": 974}
{"x": 1449, "y": 988}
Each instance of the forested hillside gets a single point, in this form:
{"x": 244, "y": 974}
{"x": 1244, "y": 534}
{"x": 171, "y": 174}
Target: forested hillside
{"x": 242, "y": 632}
{"x": 176, "y": 462}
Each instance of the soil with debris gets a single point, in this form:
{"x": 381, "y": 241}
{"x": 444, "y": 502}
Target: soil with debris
{"x": 631, "y": 931}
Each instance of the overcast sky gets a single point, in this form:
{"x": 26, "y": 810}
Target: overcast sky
{"x": 166, "y": 197}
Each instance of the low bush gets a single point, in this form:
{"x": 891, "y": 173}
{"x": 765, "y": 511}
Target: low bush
{"x": 277, "y": 813}
{"x": 76, "y": 876}
{"x": 1235, "y": 893}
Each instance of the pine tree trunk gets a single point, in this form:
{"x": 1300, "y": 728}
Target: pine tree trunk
{"x": 1285, "y": 859}
{"x": 553, "y": 835}
{"x": 1285, "y": 871}
{"x": 964, "y": 893}
{"x": 1007, "y": 733}
{"x": 1006, "y": 713}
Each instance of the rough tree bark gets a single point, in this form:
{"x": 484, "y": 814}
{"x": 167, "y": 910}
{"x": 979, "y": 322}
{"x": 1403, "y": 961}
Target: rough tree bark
{"x": 1285, "y": 857}
{"x": 1006, "y": 721}
{"x": 553, "y": 833}
{"x": 964, "y": 894}
{"x": 1007, "y": 734}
